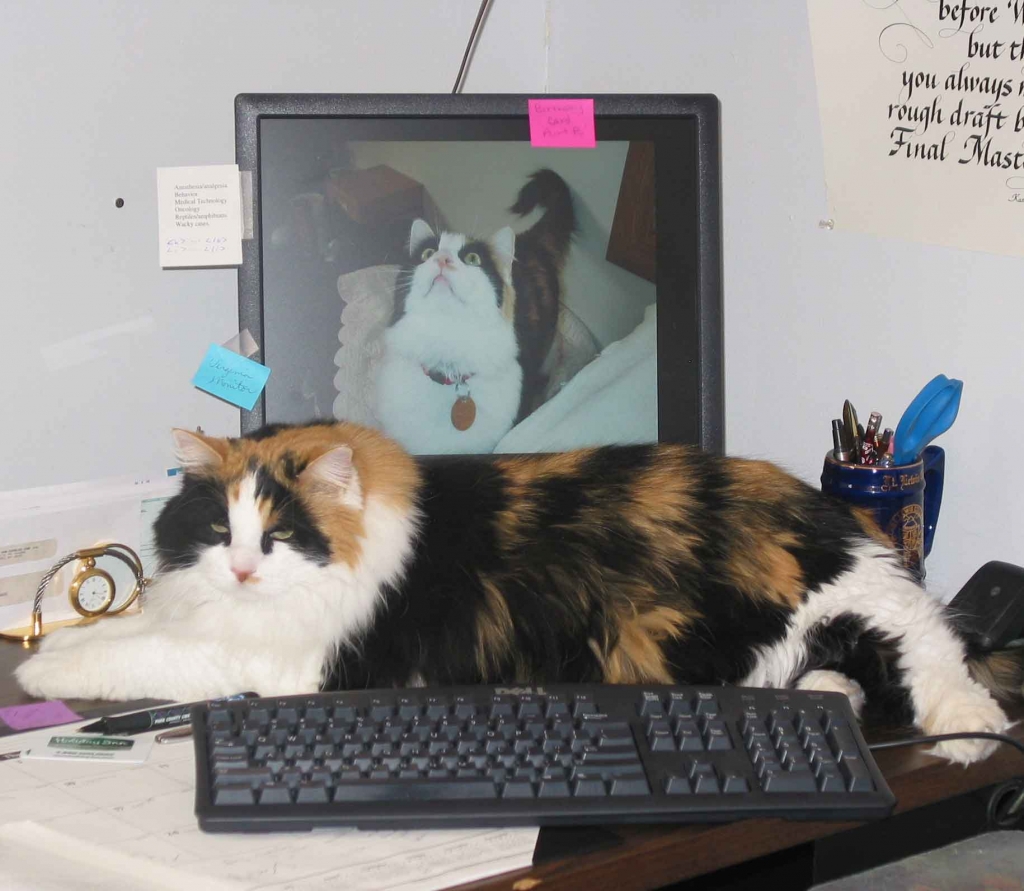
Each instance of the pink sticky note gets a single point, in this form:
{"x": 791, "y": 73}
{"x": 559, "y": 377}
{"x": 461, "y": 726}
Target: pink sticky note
{"x": 562, "y": 123}
{"x": 38, "y": 714}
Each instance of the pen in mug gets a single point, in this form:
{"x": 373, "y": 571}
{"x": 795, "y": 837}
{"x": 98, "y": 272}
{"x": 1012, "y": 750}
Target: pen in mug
{"x": 840, "y": 451}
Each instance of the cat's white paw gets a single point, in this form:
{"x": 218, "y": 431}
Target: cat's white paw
{"x": 834, "y": 682}
{"x": 963, "y": 712}
{"x": 74, "y": 672}
{"x": 62, "y": 638}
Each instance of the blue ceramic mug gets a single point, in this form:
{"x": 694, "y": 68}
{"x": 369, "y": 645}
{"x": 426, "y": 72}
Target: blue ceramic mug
{"x": 904, "y": 500}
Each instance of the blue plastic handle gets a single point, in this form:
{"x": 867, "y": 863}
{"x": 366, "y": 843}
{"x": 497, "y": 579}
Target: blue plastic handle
{"x": 931, "y": 413}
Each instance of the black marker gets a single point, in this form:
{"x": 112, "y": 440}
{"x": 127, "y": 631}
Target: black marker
{"x": 152, "y": 718}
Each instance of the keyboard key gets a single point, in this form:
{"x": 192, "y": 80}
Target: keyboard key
{"x": 381, "y": 709}
{"x": 584, "y": 705}
{"x": 661, "y": 741}
{"x": 603, "y": 756}
{"x": 286, "y": 714}
{"x": 234, "y": 795}
{"x": 502, "y": 705}
{"x": 275, "y": 793}
{"x": 842, "y": 742}
{"x": 464, "y": 707}
{"x": 706, "y": 785}
{"x": 610, "y": 771}
{"x": 557, "y": 707}
{"x": 679, "y": 705}
{"x": 242, "y": 776}
{"x": 733, "y": 784}
{"x": 415, "y": 790}
{"x": 409, "y": 708}
{"x": 650, "y": 706}
{"x": 706, "y": 704}
{"x": 829, "y": 780}
{"x": 553, "y": 789}
{"x": 589, "y": 788}
{"x": 518, "y": 788}
{"x": 677, "y": 786}
{"x": 858, "y": 777}
{"x": 783, "y": 781}
{"x": 312, "y": 793}
{"x": 688, "y": 736}
{"x": 314, "y": 713}
{"x": 438, "y": 706}
{"x": 657, "y": 724}
{"x": 626, "y": 786}
{"x": 716, "y": 737}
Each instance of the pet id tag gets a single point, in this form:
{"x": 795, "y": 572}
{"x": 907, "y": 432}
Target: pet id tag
{"x": 463, "y": 410}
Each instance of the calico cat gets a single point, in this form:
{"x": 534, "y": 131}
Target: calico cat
{"x": 473, "y": 324}
{"x": 324, "y": 556}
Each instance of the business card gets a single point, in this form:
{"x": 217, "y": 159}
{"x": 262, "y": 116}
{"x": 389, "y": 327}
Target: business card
{"x": 92, "y": 747}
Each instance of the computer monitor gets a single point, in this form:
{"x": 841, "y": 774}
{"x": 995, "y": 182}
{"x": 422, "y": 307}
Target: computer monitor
{"x": 418, "y": 266}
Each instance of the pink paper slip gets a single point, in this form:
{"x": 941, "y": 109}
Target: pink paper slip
{"x": 37, "y": 714}
{"x": 562, "y": 123}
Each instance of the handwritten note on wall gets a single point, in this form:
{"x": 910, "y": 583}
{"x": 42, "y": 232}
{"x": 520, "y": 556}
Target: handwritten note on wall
{"x": 200, "y": 215}
{"x": 922, "y": 112}
{"x": 562, "y": 123}
{"x": 231, "y": 377}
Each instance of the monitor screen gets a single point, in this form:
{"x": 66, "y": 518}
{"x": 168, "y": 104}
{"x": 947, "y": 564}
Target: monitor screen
{"x": 418, "y": 266}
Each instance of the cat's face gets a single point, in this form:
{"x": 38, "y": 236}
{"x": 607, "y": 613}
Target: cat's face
{"x": 457, "y": 275}
{"x": 260, "y": 516}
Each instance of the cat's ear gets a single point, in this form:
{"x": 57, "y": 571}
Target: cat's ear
{"x": 334, "y": 475}
{"x": 195, "y": 453}
{"x": 420, "y": 232}
{"x": 504, "y": 243}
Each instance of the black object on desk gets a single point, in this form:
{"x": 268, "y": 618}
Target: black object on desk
{"x": 990, "y": 607}
{"x": 150, "y": 719}
{"x": 553, "y": 755}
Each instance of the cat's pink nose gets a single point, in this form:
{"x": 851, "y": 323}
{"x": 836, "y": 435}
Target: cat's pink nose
{"x": 444, "y": 260}
{"x": 241, "y": 574}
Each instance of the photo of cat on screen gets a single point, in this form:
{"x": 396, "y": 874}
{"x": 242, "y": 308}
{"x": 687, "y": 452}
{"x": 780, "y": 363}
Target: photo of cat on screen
{"x": 473, "y": 324}
{"x": 474, "y": 308}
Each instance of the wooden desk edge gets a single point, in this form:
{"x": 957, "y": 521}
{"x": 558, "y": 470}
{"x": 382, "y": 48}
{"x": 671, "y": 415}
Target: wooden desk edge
{"x": 652, "y": 856}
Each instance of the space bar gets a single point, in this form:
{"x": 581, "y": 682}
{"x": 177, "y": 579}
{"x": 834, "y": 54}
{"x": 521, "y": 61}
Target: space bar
{"x": 414, "y": 790}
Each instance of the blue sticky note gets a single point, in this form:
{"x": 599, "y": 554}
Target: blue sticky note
{"x": 231, "y": 377}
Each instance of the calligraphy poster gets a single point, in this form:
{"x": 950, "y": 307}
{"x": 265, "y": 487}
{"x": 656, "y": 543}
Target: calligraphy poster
{"x": 922, "y": 113}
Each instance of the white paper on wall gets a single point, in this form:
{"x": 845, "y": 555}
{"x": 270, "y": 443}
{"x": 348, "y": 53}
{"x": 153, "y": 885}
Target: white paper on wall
{"x": 922, "y": 113}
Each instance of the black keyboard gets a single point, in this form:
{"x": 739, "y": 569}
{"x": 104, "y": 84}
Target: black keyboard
{"x": 558, "y": 754}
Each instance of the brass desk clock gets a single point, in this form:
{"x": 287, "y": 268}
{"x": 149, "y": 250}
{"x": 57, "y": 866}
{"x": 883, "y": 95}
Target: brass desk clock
{"x": 92, "y": 592}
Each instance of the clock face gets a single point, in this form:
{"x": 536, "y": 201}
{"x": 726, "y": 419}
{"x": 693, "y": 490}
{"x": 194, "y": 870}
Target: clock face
{"x": 94, "y": 593}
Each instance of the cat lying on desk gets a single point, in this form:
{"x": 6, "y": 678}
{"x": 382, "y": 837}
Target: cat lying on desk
{"x": 324, "y": 556}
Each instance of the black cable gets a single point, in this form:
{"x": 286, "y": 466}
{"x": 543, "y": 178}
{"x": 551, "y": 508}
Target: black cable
{"x": 942, "y": 737}
{"x": 469, "y": 46}
{"x": 1005, "y": 803}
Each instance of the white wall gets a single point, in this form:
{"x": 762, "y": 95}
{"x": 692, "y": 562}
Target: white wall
{"x": 96, "y": 95}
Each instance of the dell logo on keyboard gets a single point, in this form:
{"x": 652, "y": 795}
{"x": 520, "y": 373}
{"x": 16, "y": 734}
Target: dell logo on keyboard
{"x": 518, "y": 691}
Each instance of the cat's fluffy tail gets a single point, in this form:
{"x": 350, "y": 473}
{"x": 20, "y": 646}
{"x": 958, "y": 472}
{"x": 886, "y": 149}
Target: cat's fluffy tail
{"x": 1001, "y": 671}
{"x": 547, "y": 189}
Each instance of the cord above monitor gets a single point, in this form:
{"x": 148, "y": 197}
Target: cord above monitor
{"x": 416, "y": 265}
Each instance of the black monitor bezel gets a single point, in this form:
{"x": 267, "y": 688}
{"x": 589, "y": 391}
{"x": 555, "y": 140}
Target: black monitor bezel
{"x": 690, "y": 330}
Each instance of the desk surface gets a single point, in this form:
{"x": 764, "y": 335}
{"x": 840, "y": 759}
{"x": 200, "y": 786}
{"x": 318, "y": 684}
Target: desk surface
{"x": 646, "y": 857}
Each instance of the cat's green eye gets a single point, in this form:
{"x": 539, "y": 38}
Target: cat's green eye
{"x": 219, "y": 528}
{"x": 281, "y": 534}
{"x": 427, "y": 253}
{"x": 471, "y": 259}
